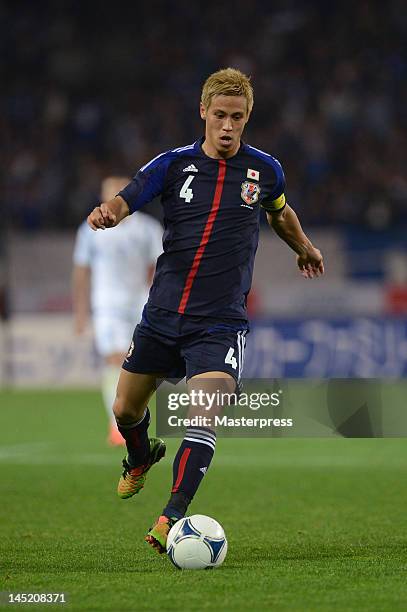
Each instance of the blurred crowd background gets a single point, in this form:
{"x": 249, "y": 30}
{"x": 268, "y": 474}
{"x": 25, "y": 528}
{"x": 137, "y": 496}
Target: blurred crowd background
{"x": 92, "y": 88}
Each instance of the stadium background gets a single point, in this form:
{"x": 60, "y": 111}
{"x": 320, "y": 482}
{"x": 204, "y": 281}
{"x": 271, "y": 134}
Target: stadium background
{"x": 94, "y": 92}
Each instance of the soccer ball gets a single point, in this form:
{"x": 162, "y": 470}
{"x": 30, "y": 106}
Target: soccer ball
{"x": 197, "y": 542}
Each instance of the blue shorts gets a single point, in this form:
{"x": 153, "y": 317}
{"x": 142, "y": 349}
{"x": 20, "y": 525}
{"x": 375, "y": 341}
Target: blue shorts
{"x": 175, "y": 345}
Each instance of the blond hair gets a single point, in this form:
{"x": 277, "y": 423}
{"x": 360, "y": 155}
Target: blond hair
{"x": 227, "y": 82}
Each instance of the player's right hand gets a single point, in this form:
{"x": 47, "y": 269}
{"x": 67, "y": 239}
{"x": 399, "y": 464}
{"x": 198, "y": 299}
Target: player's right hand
{"x": 311, "y": 263}
{"x": 101, "y": 217}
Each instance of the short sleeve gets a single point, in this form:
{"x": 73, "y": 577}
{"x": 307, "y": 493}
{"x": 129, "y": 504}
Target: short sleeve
{"x": 275, "y": 199}
{"x": 148, "y": 183}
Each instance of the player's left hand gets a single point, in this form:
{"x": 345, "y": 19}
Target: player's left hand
{"x": 311, "y": 264}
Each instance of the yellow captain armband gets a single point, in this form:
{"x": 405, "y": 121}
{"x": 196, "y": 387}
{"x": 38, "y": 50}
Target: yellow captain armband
{"x": 274, "y": 205}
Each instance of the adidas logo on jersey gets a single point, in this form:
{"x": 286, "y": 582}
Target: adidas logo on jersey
{"x": 203, "y": 470}
{"x": 190, "y": 168}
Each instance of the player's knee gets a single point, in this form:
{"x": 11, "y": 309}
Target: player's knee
{"x": 125, "y": 412}
{"x": 122, "y": 410}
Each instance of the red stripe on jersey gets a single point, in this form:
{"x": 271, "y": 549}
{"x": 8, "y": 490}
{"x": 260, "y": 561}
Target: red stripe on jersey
{"x": 181, "y": 469}
{"x": 205, "y": 237}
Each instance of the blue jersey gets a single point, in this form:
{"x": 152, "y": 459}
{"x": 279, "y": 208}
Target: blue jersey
{"x": 211, "y": 220}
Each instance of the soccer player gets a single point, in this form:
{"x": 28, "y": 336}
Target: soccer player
{"x": 195, "y": 319}
{"x": 111, "y": 276}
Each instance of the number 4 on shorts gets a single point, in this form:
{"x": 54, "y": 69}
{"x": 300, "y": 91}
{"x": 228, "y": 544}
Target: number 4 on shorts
{"x": 231, "y": 359}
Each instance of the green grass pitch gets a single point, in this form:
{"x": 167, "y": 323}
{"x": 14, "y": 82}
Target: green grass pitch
{"x": 312, "y": 524}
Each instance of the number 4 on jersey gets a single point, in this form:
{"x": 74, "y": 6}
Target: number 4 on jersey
{"x": 186, "y": 193}
{"x": 231, "y": 359}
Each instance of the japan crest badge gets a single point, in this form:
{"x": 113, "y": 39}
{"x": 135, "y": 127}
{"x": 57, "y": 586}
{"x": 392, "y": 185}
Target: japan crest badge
{"x": 250, "y": 193}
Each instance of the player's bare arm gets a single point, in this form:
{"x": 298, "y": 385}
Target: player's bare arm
{"x": 288, "y": 227}
{"x": 108, "y": 214}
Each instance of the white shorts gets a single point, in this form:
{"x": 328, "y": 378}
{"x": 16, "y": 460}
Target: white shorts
{"x": 113, "y": 334}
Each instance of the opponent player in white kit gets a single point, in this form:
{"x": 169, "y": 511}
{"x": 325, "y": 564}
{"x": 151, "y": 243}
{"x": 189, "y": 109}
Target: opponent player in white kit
{"x": 111, "y": 277}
